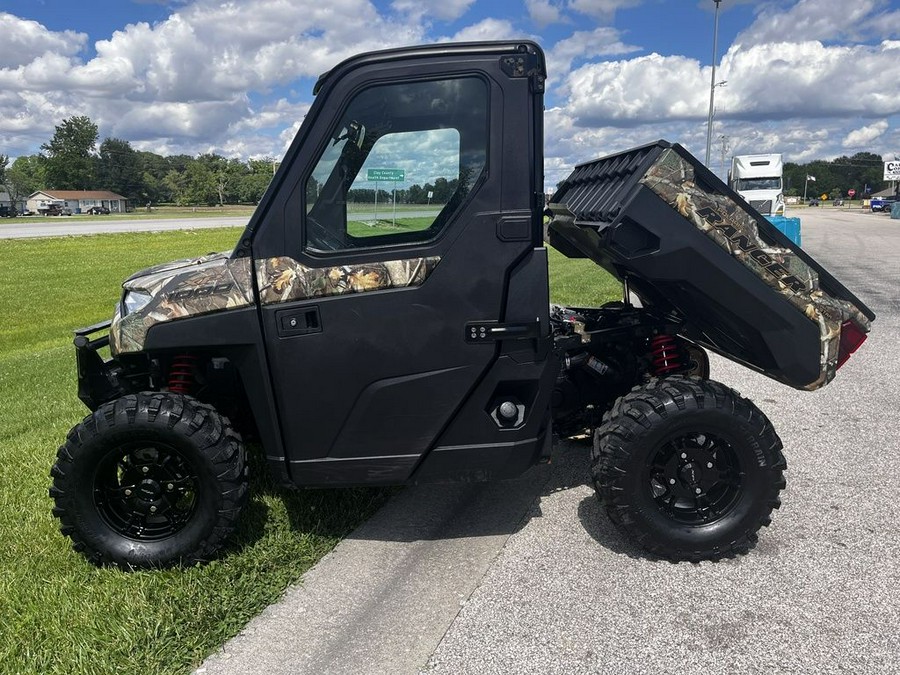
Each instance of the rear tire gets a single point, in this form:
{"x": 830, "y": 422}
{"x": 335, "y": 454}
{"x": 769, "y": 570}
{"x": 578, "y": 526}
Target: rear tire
{"x": 150, "y": 480}
{"x": 688, "y": 469}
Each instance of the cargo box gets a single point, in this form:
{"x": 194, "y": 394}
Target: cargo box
{"x": 689, "y": 245}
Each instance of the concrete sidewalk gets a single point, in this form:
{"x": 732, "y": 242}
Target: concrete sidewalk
{"x": 383, "y": 599}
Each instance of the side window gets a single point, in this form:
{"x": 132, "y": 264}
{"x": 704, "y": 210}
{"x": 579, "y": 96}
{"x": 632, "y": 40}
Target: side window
{"x": 400, "y": 161}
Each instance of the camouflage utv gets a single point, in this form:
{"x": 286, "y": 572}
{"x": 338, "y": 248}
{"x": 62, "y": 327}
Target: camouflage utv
{"x": 357, "y": 354}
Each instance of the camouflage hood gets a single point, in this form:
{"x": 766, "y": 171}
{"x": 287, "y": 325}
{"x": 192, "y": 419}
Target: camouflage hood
{"x": 140, "y": 279}
{"x": 176, "y": 290}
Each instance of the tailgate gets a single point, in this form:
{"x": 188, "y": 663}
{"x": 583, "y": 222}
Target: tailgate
{"x": 689, "y": 244}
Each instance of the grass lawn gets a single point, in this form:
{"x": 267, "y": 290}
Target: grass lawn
{"x": 60, "y": 614}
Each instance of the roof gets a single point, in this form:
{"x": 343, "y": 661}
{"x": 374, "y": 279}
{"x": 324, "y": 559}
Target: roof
{"x": 81, "y": 194}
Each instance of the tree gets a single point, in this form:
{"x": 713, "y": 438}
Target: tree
{"x": 200, "y": 184}
{"x": 254, "y": 183}
{"x": 118, "y": 169}
{"x": 70, "y": 154}
{"x": 177, "y": 186}
{"x": 154, "y": 169}
{"x": 25, "y": 176}
{"x": 225, "y": 175}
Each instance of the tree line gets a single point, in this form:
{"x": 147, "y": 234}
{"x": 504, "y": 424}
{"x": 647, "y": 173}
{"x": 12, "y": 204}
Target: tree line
{"x": 72, "y": 160}
{"x": 836, "y": 177}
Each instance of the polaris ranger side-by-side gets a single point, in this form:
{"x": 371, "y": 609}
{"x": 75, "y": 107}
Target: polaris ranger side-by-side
{"x": 361, "y": 354}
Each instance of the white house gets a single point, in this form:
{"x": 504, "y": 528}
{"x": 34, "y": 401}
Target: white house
{"x": 78, "y": 201}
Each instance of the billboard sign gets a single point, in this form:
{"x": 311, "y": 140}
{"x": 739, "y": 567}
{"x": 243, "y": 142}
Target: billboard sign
{"x": 892, "y": 170}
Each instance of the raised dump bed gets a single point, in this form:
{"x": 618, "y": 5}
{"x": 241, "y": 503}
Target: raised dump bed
{"x": 688, "y": 244}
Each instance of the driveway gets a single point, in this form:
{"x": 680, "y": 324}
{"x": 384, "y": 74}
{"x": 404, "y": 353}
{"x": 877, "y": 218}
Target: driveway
{"x": 530, "y": 577}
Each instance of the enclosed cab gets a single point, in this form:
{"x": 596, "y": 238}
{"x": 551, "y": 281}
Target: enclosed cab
{"x": 758, "y": 179}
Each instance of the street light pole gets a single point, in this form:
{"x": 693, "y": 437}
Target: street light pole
{"x": 712, "y": 84}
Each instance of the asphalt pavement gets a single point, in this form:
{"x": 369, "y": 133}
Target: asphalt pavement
{"x": 63, "y": 226}
{"x": 529, "y": 576}
{"x": 23, "y": 228}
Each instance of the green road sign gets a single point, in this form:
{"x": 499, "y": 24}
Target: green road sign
{"x": 395, "y": 175}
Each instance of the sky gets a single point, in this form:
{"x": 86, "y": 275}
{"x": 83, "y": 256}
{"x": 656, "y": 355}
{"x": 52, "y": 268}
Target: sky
{"x": 812, "y": 79}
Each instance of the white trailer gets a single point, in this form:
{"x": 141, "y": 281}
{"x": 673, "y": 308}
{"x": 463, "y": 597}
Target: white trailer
{"x": 758, "y": 179}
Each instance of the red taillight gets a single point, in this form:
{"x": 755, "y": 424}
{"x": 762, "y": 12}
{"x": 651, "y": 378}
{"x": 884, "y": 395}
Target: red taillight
{"x": 851, "y": 338}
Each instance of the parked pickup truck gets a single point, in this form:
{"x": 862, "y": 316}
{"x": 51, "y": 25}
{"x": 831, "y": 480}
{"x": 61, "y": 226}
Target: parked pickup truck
{"x": 883, "y": 204}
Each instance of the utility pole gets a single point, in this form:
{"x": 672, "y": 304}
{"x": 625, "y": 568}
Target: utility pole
{"x": 724, "y": 140}
{"x": 712, "y": 84}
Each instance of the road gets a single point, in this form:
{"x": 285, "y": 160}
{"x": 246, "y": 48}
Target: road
{"x": 21, "y": 228}
{"x": 530, "y": 577}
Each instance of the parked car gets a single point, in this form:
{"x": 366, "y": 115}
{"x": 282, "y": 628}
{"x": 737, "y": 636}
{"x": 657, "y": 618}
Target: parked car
{"x": 98, "y": 211}
{"x": 54, "y": 210}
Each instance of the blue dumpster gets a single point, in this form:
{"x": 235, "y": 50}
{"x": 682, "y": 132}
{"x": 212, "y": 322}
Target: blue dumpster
{"x": 895, "y": 211}
{"x": 790, "y": 227}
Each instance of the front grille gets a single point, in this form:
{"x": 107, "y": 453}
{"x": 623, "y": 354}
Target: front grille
{"x": 764, "y": 206}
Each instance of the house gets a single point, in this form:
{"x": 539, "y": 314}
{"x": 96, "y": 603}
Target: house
{"x": 6, "y": 203}
{"x": 78, "y": 201}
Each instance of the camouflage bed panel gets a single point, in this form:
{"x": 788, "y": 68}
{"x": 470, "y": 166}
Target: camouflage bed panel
{"x": 672, "y": 178}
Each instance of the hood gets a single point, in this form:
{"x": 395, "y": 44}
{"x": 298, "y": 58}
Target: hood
{"x": 178, "y": 290}
{"x": 167, "y": 269}
{"x": 689, "y": 245}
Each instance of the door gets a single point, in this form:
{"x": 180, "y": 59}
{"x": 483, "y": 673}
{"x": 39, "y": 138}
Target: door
{"x": 401, "y": 273}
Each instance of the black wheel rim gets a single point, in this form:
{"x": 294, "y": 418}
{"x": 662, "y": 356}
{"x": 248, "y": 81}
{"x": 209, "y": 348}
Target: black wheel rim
{"x": 146, "y": 491}
{"x": 695, "y": 478}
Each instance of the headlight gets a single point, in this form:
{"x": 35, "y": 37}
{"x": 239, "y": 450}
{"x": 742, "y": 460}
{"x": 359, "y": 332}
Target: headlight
{"x": 135, "y": 301}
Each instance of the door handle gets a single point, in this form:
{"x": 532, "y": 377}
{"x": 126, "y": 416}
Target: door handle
{"x": 303, "y": 321}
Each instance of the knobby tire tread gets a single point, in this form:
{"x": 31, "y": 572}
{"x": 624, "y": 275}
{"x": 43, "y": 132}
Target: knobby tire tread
{"x": 640, "y": 411}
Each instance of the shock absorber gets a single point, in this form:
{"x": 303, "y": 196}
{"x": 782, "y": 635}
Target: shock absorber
{"x": 665, "y": 355}
{"x": 181, "y": 373}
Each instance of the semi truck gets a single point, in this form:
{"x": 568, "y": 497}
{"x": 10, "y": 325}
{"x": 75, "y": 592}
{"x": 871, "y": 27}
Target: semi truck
{"x": 758, "y": 179}
{"x": 353, "y": 355}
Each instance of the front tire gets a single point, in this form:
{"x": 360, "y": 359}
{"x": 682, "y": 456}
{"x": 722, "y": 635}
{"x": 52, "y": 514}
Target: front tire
{"x": 688, "y": 469}
{"x": 150, "y": 480}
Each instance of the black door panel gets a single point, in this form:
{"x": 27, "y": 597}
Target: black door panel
{"x": 390, "y": 371}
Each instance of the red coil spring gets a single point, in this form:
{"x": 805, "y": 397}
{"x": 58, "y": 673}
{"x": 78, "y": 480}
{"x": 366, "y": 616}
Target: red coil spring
{"x": 666, "y": 355}
{"x": 181, "y": 373}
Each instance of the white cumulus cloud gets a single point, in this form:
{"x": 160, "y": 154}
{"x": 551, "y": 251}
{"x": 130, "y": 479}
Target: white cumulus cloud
{"x": 864, "y": 136}
{"x": 444, "y": 10}
{"x": 487, "y": 29}
{"x": 544, "y": 12}
{"x": 22, "y": 40}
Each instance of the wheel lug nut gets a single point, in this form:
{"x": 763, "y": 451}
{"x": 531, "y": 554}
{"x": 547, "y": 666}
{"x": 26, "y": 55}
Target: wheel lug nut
{"x": 709, "y": 465}
{"x": 146, "y": 469}
{"x": 683, "y": 455}
{"x": 170, "y": 486}
{"x": 127, "y": 493}
{"x": 152, "y": 509}
{"x": 698, "y": 490}
{"x": 671, "y": 481}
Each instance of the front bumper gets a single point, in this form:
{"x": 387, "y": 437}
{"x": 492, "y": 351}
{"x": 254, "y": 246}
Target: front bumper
{"x": 98, "y": 380}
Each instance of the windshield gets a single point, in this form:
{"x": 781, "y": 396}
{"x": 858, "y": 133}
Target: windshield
{"x": 747, "y": 184}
